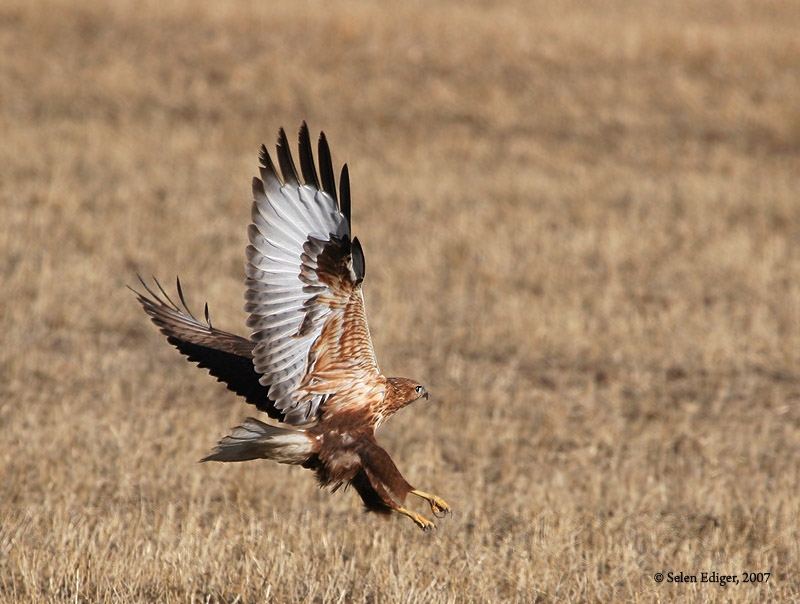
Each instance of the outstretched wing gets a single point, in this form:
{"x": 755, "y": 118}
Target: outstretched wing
{"x": 304, "y": 275}
{"x": 228, "y": 357}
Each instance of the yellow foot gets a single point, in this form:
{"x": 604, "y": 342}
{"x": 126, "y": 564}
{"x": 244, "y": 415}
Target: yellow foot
{"x": 438, "y": 505}
{"x": 422, "y": 522}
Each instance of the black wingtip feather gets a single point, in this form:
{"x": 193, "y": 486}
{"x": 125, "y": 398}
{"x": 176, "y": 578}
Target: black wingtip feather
{"x": 359, "y": 266}
{"x": 326, "y": 167}
{"x": 257, "y": 186}
{"x": 180, "y": 296}
{"x": 344, "y": 200}
{"x": 285, "y": 160}
{"x": 266, "y": 160}
{"x": 307, "y": 158}
{"x": 166, "y": 297}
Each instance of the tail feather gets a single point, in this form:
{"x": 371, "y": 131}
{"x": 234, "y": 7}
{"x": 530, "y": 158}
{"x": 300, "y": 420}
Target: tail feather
{"x": 257, "y": 440}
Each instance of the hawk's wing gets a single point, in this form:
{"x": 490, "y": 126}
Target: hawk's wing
{"x": 228, "y": 357}
{"x": 304, "y": 275}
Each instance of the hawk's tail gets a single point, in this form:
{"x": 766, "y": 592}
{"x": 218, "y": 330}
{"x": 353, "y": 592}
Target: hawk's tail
{"x": 257, "y": 440}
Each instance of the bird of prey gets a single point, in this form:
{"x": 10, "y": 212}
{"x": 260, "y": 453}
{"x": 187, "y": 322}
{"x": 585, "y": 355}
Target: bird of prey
{"x": 309, "y": 363}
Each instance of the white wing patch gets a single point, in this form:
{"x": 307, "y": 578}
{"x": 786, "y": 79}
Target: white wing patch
{"x": 304, "y": 275}
{"x": 277, "y": 299}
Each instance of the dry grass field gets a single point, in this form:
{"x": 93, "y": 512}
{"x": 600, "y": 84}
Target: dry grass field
{"x": 582, "y": 233}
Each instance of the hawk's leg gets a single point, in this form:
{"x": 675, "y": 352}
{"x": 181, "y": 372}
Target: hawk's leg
{"x": 422, "y": 522}
{"x": 438, "y": 505}
{"x": 375, "y": 493}
{"x": 390, "y": 486}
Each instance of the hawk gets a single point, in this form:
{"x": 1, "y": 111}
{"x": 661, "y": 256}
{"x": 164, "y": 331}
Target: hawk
{"x": 309, "y": 363}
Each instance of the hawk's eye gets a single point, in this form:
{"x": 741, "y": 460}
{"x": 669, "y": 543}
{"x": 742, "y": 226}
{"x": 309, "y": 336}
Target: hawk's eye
{"x": 419, "y": 389}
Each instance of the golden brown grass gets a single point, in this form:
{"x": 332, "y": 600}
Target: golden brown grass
{"x": 581, "y": 226}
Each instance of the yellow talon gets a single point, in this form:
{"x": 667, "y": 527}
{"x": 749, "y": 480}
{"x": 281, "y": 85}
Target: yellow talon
{"x": 438, "y": 505}
{"x": 422, "y": 522}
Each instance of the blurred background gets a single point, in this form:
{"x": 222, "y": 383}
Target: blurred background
{"x": 581, "y": 229}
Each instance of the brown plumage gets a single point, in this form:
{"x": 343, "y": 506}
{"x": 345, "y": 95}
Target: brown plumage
{"x": 309, "y": 363}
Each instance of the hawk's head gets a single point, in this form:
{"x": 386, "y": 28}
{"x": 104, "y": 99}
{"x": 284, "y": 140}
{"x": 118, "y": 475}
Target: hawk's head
{"x": 401, "y": 392}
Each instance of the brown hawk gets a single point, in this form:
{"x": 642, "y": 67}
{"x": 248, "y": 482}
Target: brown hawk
{"x": 309, "y": 362}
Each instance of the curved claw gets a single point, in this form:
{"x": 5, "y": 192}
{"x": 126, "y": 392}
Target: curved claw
{"x": 438, "y": 505}
{"x": 439, "y": 508}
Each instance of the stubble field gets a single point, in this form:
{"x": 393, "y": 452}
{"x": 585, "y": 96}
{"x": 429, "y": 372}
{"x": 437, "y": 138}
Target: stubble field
{"x": 581, "y": 228}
